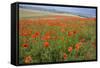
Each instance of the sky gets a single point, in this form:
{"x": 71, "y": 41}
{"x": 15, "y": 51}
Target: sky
{"x": 88, "y": 12}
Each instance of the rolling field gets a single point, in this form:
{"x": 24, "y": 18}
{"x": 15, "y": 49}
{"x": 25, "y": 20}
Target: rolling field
{"x": 56, "y": 38}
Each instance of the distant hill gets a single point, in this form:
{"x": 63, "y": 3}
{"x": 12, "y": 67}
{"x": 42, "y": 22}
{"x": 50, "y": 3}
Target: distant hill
{"x": 53, "y": 11}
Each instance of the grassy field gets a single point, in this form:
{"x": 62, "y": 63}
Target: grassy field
{"x": 56, "y": 38}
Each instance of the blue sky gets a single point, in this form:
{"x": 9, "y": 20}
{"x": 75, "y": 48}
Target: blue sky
{"x": 90, "y": 12}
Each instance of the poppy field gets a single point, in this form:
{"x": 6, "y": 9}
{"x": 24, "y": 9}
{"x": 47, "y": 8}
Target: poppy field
{"x": 56, "y": 38}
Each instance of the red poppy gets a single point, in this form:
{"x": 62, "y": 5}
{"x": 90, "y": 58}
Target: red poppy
{"x": 35, "y": 35}
{"x": 25, "y": 45}
{"x": 77, "y": 46}
{"x": 46, "y": 37}
{"x": 28, "y": 59}
{"x": 25, "y": 32}
{"x": 74, "y": 32}
{"x": 70, "y": 33}
{"x": 70, "y": 49}
{"x": 46, "y": 44}
{"x": 65, "y": 56}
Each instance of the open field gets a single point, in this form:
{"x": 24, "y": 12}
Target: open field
{"x": 56, "y": 38}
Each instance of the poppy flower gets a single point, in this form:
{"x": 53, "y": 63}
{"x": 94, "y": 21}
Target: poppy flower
{"x": 46, "y": 44}
{"x": 74, "y": 32}
{"x": 35, "y": 35}
{"x": 77, "y": 46}
{"x": 65, "y": 56}
{"x": 28, "y": 59}
{"x": 25, "y": 45}
{"x": 70, "y": 33}
{"x": 46, "y": 37}
{"x": 25, "y": 32}
{"x": 70, "y": 49}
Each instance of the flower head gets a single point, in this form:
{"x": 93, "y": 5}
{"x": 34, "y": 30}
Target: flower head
{"x": 46, "y": 44}
{"x": 70, "y": 33}
{"x": 35, "y": 35}
{"x": 77, "y": 46}
{"x": 65, "y": 56}
{"x": 25, "y": 45}
{"x": 70, "y": 49}
{"x": 74, "y": 32}
{"x": 28, "y": 59}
